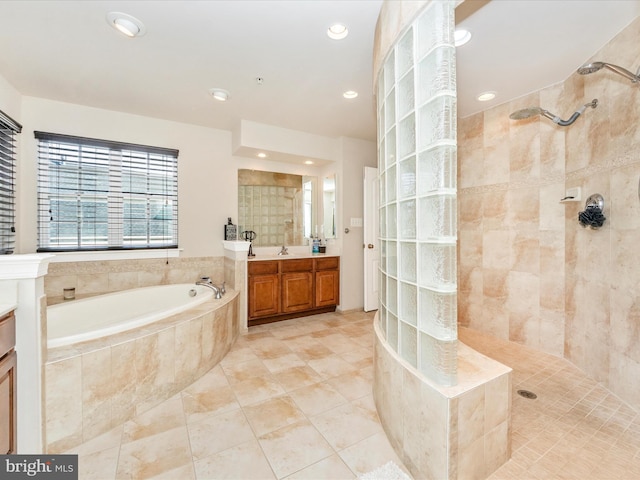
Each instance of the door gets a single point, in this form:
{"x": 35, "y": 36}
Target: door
{"x": 264, "y": 295}
{"x": 371, "y": 244}
{"x": 327, "y": 288}
{"x": 297, "y": 291}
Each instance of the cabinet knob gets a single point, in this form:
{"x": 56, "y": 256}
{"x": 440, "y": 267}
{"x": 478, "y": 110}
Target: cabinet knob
{"x": 370, "y": 245}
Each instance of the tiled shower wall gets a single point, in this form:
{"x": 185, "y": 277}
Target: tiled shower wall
{"x": 528, "y": 272}
{"x": 95, "y": 278}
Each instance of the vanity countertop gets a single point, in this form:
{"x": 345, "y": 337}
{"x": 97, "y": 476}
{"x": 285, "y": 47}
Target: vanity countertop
{"x": 6, "y": 308}
{"x": 291, "y": 256}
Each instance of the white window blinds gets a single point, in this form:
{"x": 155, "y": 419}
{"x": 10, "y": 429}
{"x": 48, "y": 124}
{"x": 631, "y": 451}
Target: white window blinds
{"x": 8, "y": 130}
{"x": 103, "y": 195}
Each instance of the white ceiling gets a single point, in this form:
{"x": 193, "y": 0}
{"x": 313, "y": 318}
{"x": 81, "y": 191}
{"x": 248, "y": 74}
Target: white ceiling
{"x": 66, "y": 51}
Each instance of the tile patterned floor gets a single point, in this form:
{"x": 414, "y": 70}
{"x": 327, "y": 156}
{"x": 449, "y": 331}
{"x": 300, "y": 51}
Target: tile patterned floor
{"x": 292, "y": 400}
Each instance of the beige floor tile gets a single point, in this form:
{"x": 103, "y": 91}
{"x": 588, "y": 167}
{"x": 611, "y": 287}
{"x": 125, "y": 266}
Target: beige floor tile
{"x": 369, "y": 454}
{"x": 283, "y": 362}
{"x": 332, "y": 468}
{"x": 332, "y": 366}
{"x": 271, "y": 351}
{"x": 107, "y": 440}
{"x": 296, "y": 377}
{"x": 186, "y": 472}
{"x": 101, "y": 465}
{"x": 218, "y": 432}
{"x": 357, "y": 354}
{"x": 294, "y": 447}
{"x": 166, "y": 416}
{"x": 257, "y": 389}
{"x": 240, "y": 372}
{"x": 317, "y": 398}
{"x": 313, "y": 350}
{"x": 154, "y": 455}
{"x": 198, "y": 405}
{"x": 351, "y": 385}
{"x": 238, "y": 355}
{"x": 214, "y": 378}
{"x": 272, "y": 414}
{"x": 345, "y": 425}
{"x": 242, "y": 462}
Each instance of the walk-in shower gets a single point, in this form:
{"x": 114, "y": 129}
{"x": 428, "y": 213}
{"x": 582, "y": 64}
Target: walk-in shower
{"x": 533, "y": 111}
{"x": 596, "y": 66}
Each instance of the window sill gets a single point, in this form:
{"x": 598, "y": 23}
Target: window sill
{"x": 115, "y": 255}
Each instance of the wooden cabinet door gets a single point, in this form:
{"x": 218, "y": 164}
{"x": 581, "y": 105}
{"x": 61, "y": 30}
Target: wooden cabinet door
{"x": 327, "y": 288}
{"x": 297, "y": 291}
{"x": 8, "y": 405}
{"x": 264, "y": 295}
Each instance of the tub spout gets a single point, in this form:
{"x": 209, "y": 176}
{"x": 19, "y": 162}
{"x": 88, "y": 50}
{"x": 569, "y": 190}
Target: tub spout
{"x": 215, "y": 289}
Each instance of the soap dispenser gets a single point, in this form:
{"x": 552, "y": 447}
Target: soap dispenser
{"x": 230, "y": 230}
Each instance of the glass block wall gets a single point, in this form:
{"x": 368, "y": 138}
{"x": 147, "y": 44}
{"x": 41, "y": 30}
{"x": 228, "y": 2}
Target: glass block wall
{"x": 417, "y": 165}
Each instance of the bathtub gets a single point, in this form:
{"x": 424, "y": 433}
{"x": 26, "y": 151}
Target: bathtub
{"x": 95, "y": 317}
{"x": 115, "y": 356}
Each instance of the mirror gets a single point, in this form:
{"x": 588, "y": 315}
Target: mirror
{"x": 329, "y": 206}
{"x": 279, "y": 207}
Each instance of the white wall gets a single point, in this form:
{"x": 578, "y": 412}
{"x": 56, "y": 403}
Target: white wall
{"x": 355, "y": 154}
{"x": 207, "y": 173}
{"x": 206, "y": 185}
{"x": 10, "y": 100}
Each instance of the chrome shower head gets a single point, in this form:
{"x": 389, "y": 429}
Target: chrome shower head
{"x": 526, "y": 113}
{"x": 533, "y": 111}
{"x": 590, "y": 68}
{"x": 595, "y": 66}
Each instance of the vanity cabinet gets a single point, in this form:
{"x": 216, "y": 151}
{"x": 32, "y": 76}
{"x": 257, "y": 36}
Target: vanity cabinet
{"x": 281, "y": 289}
{"x": 264, "y": 289}
{"x": 327, "y": 281}
{"x": 8, "y": 400}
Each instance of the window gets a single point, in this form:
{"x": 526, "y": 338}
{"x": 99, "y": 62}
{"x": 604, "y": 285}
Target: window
{"x": 8, "y": 130}
{"x": 103, "y": 195}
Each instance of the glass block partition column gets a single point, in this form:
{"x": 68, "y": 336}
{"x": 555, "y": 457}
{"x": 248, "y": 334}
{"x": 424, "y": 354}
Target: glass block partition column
{"x": 417, "y": 165}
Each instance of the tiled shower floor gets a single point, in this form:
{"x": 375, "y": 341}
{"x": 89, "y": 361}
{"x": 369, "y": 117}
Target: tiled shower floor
{"x": 293, "y": 400}
{"x": 574, "y": 429}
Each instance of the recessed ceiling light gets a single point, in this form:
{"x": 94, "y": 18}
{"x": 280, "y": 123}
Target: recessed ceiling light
{"x": 337, "y": 31}
{"x": 126, "y": 24}
{"x": 262, "y": 155}
{"x": 461, "y": 36}
{"x": 219, "y": 94}
{"x": 308, "y": 162}
{"x": 350, "y": 94}
{"x": 486, "y": 96}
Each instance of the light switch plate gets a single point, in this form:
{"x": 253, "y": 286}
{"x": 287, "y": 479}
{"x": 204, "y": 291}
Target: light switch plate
{"x": 356, "y": 222}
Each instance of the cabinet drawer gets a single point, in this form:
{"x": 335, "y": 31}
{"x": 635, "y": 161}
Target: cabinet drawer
{"x": 297, "y": 265}
{"x": 327, "y": 263}
{"x": 260, "y": 268}
{"x": 7, "y": 333}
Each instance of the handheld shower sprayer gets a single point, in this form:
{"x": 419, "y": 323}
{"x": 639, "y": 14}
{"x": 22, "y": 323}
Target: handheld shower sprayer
{"x": 533, "y": 111}
{"x": 595, "y": 66}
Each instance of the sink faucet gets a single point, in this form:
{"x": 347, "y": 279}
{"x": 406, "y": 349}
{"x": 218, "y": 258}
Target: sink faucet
{"x": 216, "y": 290}
{"x": 284, "y": 251}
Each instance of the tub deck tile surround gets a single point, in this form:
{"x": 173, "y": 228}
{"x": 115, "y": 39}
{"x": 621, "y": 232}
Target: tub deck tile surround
{"x": 115, "y": 378}
{"x": 99, "y": 277}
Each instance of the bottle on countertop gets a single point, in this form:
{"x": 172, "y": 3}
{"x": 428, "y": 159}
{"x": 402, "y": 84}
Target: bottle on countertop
{"x": 230, "y": 230}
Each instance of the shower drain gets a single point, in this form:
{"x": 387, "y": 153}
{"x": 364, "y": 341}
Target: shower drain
{"x": 527, "y": 394}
